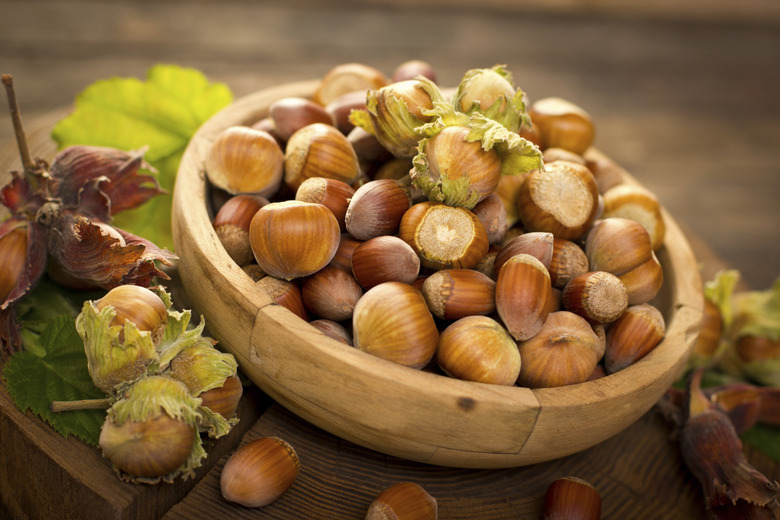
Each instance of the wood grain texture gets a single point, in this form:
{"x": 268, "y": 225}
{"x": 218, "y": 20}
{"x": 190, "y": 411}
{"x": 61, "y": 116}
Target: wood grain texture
{"x": 339, "y": 479}
{"x": 683, "y": 93}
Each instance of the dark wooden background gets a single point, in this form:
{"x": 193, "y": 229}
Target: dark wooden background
{"x": 685, "y": 95}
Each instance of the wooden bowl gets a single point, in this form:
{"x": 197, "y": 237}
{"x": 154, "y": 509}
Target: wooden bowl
{"x": 396, "y": 410}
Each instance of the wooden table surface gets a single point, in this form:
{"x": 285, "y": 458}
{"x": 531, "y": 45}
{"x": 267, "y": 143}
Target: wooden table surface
{"x": 684, "y": 95}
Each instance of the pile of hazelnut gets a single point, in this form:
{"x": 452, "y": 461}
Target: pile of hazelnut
{"x": 455, "y": 230}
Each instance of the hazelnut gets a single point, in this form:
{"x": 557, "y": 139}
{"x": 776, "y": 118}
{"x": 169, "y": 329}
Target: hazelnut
{"x": 333, "y": 330}
{"x": 597, "y": 296}
{"x": 376, "y": 209}
{"x": 231, "y": 225}
{"x": 633, "y": 336}
{"x": 259, "y": 472}
{"x": 245, "y": 160}
{"x": 492, "y": 214}
{"x": 285, "y": 293}
{"x": 568, "y": 261}
{"x": 292, "y": 239}
{"x": 571, "y": 498}
{"x": 345, "y": 78}
{"x": 331, "y": 193}
{"x": 565, "y": 351}
{"x": 384, "y": 259}
{"x": 444, "y": 237}
{"x": 411, "y": 69}
{"x": 403, "y": 501}
{"x": 341, "y": 106}
{"x": 562, "y": 124}
{"x": 393, "y": 322}
{"x": 331, "y": 293}
{"x": 456, "y": 293}
{"x": 537, "y": 244}
{"x": 523, "y": 294}
{"x": 562, "y": 199}
{"x": 343, "y": 257}
{"x": 507, "y": 190}
{"x": 636, "y": 203}
{"x": 478, "y": 348}
{"x": 319, "y": 150}
{"x": 290, "y": 114}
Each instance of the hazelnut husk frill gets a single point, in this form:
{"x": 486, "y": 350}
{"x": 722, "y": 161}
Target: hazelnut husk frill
{"x": 151, "y": 432}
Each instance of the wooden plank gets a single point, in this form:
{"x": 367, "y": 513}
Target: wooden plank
{"x": 639, "y": 473}
{"x": 46, "y": 475}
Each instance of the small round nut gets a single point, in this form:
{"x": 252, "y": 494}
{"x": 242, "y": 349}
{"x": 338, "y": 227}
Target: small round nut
{"x": 259, "y": 472}
{"x": 478, "y": 348}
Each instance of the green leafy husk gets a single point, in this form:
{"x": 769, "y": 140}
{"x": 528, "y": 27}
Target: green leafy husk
{"x": 114, "y": 363}
{"x": 517, "y": 155}
{"x": 509, "y": 106}
{"x": 719, "y": 291}
{"x": 151, "y": 397}
{"x": 388, "y": 117}
{"x": 753, "y": 313}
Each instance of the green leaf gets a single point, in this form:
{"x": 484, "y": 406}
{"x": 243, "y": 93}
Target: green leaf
{"x": 60, "y": 374}
{"x": 765, "y": 438}
{"x": 160, "y": 114}
{"x": 46, "y": 302}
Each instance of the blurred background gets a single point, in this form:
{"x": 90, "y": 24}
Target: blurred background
{"x": 684, "y": 94}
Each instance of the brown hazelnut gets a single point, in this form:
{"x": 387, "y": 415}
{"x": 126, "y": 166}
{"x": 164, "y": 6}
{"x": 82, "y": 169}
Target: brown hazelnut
{"x": 523, "y": 294}
{"x": 633, "y": 336}
{"x": 331, "y": 293}
{"x": 563, "y": 352}
{"x": 392, "y": 321}
{"x": 291, "y": 239}
{"x": 376, "y": 208}
{"x": 478, "y": 348}
{"x": 319, "y": 150}
{"x": 384, "y": 259}
{"x": 455, "y": 293}
{"x": 444, "y": 237}
{"x": 562, "y": 199}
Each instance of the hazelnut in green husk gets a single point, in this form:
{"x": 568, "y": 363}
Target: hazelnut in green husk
{"x": 461, "y": 158}
{"x": 712, "y": 342}
{"x": 151, "y": 432}
{"x": 394, "y": 112}
{"x": 120, "y": 333}
{"x": 753, "y": 335}
{"x": 211, "y": 376}
{"x": 492, "y": 92}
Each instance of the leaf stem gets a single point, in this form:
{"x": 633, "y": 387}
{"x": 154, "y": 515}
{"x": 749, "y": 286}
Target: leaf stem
{"x": 84, "y": 404}
{"x": 21, "y": 140}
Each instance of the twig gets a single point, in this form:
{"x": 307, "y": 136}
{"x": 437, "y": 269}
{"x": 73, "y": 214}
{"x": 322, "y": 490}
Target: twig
{"x": 84, "y": 404}
{"x": 21, "y": 140}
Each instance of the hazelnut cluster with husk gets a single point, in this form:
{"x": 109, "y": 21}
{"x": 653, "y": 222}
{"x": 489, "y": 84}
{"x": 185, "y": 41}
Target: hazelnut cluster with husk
{"x": 165, "y": 383}
{"x": 58, "y": 217}
{"x": 462, "y": 231}
{"x": 740, "y": 334}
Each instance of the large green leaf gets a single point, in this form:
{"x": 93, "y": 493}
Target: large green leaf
{"x": 160, "y": 114}
{"x": 59, "y": 373}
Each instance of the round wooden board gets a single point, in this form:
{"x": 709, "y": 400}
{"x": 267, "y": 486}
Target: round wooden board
{"x": 639, "y": 472}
